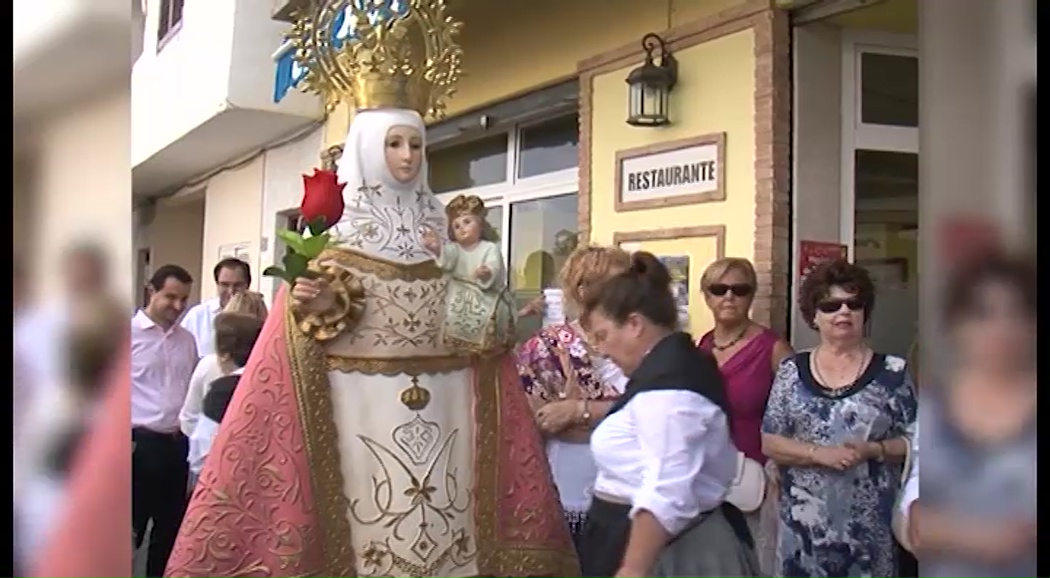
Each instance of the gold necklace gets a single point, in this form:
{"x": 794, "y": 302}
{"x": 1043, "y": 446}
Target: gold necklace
{"x": 733, "y": 342}
{"x": 864, "y": 360}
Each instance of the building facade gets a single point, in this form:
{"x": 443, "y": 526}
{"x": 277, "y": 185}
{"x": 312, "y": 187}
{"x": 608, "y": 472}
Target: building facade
{"x": 794, "y": 130}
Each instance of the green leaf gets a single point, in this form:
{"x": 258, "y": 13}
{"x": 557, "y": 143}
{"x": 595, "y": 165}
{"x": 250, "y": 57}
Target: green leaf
{"x": 273, "y": 271}
{"x": 318, "y": 226}
{"x": 313, "y": 246}
{"x": 295, "y": 264}
{"x": 294, "y": 240}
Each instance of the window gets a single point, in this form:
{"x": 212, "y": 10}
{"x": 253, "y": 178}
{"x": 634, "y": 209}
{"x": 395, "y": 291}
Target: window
{"x": 527, "y": 177}
{"x": 889, "y": 89}
{"x": 170, "y": 21}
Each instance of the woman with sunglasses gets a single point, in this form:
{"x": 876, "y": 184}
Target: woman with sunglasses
{"x": 835, "y": 423}
{"x": 748, "y": 355}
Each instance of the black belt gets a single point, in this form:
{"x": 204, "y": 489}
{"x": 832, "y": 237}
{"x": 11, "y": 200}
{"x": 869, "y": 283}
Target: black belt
{"x": 141, "y": 430}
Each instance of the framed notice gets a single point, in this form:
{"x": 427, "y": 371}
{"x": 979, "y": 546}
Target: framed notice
{"x": 684, "y": 251}
{"x": 240, "y": 251}
{"x": 813, "y": 253}
{"x": 682, "y": 172}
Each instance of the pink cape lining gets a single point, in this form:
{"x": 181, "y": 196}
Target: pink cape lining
{"x": 252, "y": 512}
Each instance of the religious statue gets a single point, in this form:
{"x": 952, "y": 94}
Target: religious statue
{"x": 478, "y": 313}
{"x": 359, "y": 443}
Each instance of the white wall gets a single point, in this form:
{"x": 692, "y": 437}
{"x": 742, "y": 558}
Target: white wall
{"x": 256, "y": 38}
{"x": 184, "y": 84}
{"x": 232, "y": 204}
{"x": 817, "y": 148}
{"x": 219, "y": 60}
{"x": 282, "y": 192}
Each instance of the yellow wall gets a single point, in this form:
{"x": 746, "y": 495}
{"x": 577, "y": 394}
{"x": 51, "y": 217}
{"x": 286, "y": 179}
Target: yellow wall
{"x": 715, "y": 93}
{"x": 176, "y": 236}
{"x": 233, "y": 203}
{"x": 513, "y": 46}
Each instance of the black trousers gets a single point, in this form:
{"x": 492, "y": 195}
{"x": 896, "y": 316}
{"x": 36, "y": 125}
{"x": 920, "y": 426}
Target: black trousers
{"x": 159, "y": 474}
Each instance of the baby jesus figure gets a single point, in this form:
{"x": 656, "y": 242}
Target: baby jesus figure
{"x": 478, "y": 314}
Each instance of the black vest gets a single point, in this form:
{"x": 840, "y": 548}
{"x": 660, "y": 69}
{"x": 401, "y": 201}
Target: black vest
{"x": 675, "y": 363}
{"x": 220, "y": 392}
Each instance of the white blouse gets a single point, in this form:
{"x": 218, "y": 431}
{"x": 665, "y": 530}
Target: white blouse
{"x": 208, "y": 369}
{"x": 667, "y": 452}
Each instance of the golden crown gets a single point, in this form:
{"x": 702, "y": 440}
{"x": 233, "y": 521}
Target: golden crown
{"x": 378, "y": 53}
{"x": 415, "y": 398}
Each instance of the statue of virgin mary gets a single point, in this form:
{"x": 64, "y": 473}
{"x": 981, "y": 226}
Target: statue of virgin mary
{"x": 356, "y": 443}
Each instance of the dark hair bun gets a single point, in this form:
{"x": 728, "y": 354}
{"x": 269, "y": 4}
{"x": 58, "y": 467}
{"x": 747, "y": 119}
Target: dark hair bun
{"x": 646, "y": 266}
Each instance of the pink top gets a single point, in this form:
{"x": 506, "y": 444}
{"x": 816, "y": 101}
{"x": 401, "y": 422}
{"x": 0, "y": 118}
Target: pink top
{"x": 749, "y": 377}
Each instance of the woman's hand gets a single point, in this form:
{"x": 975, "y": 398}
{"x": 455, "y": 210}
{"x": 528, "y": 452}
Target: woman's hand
{"x": 866, "y": 450}
{"x": 313, "y": 295}
{"x": 557, "y": 416}
{"x": 534, "y": 307}
{"x": 839, "y": 458}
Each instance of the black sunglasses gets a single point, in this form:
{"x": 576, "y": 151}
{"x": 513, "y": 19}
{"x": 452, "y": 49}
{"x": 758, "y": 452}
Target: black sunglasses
{"x": 738, "y": 289}
{"x": 833, "y": 305}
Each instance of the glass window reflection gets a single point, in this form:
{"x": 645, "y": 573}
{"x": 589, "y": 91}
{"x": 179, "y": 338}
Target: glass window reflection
{"x": 548, "y": 147}
{"x": 542, "y": 234}
{"x": 473, "y": 164}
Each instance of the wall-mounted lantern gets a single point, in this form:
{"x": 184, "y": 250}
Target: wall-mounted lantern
{"x": 650, "y": 84}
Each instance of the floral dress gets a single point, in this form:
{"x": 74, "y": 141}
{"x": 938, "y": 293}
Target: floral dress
{"x": 838, "y": 524}
{"x": 544, "y": 378}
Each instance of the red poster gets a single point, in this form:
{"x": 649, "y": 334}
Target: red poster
{"x": 813, "y": 253}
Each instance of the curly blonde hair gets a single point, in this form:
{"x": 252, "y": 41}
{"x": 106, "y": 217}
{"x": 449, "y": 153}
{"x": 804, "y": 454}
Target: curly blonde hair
{"x": 588, "y": 267}
{"x": 247, "y": 303}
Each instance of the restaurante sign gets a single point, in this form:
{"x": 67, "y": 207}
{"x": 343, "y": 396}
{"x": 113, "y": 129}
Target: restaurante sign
{"x": 676, "y": 173}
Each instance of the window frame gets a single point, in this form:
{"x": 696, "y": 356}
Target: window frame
{"x": 174, "y": 10}
{"x": 858, "y": 135}
{"x": 514, "y": 190}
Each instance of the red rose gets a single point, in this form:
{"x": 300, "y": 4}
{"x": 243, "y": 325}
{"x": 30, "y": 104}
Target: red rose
{"x": 322, "y": 198}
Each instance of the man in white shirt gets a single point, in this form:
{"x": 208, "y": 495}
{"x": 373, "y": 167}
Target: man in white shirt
{"x": 232, "y": 276}
{"x": 163, "y": 355}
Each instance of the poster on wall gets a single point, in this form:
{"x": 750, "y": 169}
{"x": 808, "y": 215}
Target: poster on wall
{"x": 813, "y": 253}
{"x": 678, "y": 266}
{"x": 240, "y": 251}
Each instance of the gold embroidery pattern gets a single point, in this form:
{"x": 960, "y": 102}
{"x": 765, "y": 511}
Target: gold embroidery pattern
{"x": 403, "y": 315}
{"x": 225, "y": 531}
{"x": 434, "y": 499}
{"x": 385, "y": 270}
{"x": 322, "y": 446}
{"x": 398, "y": 365}
{"x": 496, "y": 558}
{"x": 349, "y": 306}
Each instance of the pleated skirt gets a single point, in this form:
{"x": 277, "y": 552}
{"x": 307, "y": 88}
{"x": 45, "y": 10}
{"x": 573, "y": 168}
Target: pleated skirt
{"x": 718, "y": 544}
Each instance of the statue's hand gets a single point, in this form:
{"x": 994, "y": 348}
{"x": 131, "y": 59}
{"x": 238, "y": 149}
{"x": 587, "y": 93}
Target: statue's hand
{"x": 431, "y": 242}
{"x": 483, "y": 273}
{"x": 313, "y": 295}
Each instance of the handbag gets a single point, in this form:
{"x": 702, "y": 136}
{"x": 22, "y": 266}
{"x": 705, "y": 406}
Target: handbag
{"x": 900, "y": 518}
{"x": 749, "y": 486}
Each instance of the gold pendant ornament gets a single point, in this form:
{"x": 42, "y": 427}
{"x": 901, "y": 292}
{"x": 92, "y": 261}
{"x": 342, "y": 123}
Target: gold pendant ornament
{"x": 374, "y": 54}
